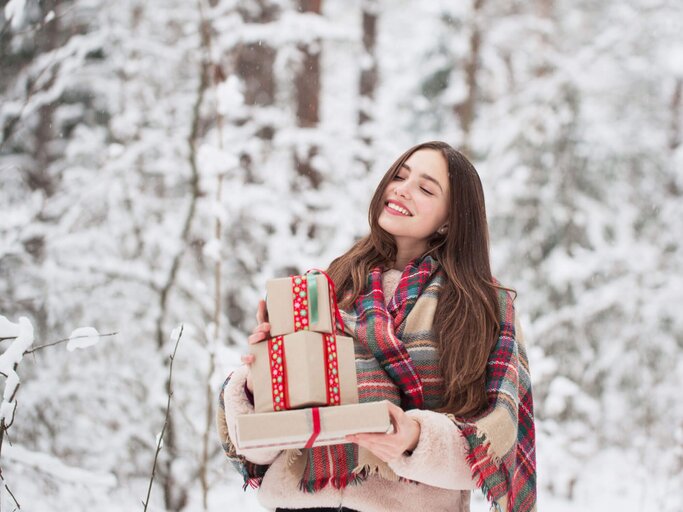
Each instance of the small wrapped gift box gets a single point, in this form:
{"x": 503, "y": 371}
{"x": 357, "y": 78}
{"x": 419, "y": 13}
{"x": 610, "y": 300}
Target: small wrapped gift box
{"x": 303, "y": 369}
{"x": 298, "y": 303}
{"x": 315, "y": 426}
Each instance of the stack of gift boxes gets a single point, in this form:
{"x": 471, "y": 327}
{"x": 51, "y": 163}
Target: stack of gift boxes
{"x": 304, "y": 375}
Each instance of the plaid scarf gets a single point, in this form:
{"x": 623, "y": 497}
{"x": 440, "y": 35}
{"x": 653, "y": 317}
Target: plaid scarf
{"x": 384, "y": 367}
{"x": 397, "y": 360}
{"x": 502, "y": 438}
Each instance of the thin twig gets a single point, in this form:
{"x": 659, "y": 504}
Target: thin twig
{"x": 168, "y": 409}
{"x": 3, "y": 431}
{"x": 67, "y": 339}
{"x": 9, "y": 491}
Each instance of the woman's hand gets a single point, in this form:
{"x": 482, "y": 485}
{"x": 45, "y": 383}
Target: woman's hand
{"x": 391, "y": 446}
{"x": 260, "y": 333}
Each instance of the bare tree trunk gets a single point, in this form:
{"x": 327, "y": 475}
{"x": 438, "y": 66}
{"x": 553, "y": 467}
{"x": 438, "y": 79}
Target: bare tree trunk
{"x": 254, "y": 61}
{"x": 368, "y": 81}
{"x": 307, "y": 85}
{"x": 39, "y": 176}
{"x": 465, "y": 110}
{"x": 253, "y": 64}
{"x": 675, "y": 129}
{"x": 545, "y": 12}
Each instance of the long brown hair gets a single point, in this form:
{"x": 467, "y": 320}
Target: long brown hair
{"x": 466, "y": 321}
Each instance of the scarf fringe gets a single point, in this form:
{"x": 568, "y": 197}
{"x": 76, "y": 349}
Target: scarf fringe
{"x": 382, "y": 470}
{"x": 292, "y": 456}
{"x": 481, "y": 483}
{"x": 481, "y": 433}
{"x": 338, "y": 482}
{"x": 253, "y": 482}
{"x": 475, "y": 467}
{"x": 356, "y": 477}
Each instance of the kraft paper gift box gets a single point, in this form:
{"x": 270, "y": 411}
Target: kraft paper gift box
{"x": 316, "y": 426}
{"x": 302, "y": 370}
{"x": 299, "y": 303}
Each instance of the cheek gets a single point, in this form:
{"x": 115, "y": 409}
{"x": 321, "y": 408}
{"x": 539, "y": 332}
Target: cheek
{"x": 435, "y": 210}
{"x": 441, "y": 209}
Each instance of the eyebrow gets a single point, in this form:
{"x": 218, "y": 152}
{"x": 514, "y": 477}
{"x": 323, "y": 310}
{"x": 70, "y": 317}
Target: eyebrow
{"x": 425, "y": 176}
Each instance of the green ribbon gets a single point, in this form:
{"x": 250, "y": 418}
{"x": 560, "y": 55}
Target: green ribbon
{"x": 312, "y": 285}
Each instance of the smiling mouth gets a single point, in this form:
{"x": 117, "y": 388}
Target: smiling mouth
{"x": 397, "y": 209}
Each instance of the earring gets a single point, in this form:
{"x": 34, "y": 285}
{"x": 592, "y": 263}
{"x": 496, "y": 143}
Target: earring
{"x": 442, "y": 230}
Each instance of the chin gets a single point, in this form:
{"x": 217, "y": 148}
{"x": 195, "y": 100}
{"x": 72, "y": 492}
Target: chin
{"x": 383, "y": 225}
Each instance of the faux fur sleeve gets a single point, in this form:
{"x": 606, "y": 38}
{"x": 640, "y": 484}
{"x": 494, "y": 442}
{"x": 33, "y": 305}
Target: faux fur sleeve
{"x": 236, "y": 403}
{"x": 440, "y": 458}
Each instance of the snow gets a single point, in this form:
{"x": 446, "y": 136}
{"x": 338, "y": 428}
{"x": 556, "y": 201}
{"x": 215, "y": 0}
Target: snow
{"x": 230, "y": 96}
{"x": 21, "y": 336}
{"x": 15, "y": 13}
{"x": 53, "y": 466}
{"x": 215, "y": 161}
{"x": 158, "y": 441}
{"x": 82, "y": 337}
{"x": 8, "y": 329}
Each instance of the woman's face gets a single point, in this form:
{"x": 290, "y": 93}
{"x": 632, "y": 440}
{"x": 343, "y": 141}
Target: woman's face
{"x": 421, "y": 192}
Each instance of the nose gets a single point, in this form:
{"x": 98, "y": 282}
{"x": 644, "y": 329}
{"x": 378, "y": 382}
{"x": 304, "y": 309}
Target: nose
{"x": 402, "y": 189}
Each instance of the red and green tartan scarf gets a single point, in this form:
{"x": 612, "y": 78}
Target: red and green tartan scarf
{"x": 501, "y": 438}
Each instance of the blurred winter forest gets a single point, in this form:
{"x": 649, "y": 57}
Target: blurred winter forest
{"x": 159, "y": 160}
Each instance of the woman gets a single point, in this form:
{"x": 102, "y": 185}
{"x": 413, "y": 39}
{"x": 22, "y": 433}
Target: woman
{"x": 435, "y": 335}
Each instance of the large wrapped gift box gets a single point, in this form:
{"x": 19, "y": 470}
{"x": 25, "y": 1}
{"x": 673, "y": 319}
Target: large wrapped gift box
{"x": 299, "y": 303}
{"x": 315, "y": 426}
{"x": 303, "y": 369}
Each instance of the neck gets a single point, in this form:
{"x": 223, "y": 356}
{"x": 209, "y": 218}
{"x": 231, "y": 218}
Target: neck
{"x": 406, "y": 250}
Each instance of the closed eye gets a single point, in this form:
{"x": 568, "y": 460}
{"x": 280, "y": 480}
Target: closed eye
{"x": 426, "y": 191}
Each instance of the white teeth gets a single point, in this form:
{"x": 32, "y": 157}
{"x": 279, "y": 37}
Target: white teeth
{"x": 398, "y": 209}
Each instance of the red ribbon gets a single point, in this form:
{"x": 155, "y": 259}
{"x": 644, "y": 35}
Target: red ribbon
{"x": 315, "y": 413}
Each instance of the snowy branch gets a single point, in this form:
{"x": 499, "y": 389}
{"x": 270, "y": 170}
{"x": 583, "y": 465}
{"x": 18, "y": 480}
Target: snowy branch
{"x": 22, "y": 334}
{"x": 86, "y": 336}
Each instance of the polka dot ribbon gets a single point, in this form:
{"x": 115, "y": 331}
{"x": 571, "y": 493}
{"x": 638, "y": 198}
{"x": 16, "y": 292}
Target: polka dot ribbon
{"x": 331, "y": 369}
{"x": 278, "y": 373}
{"x": 300, "y": 303}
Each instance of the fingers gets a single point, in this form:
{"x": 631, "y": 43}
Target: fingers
{"x": 261, "y": 333}
{"x": 374, "y": 442}
{"x": 247, "y": 358}
{"x": 386, "y": 452}
{"x": 396, "y": 415}
{"x": 385, "y": 446}
{"x": 262, "y": 313}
